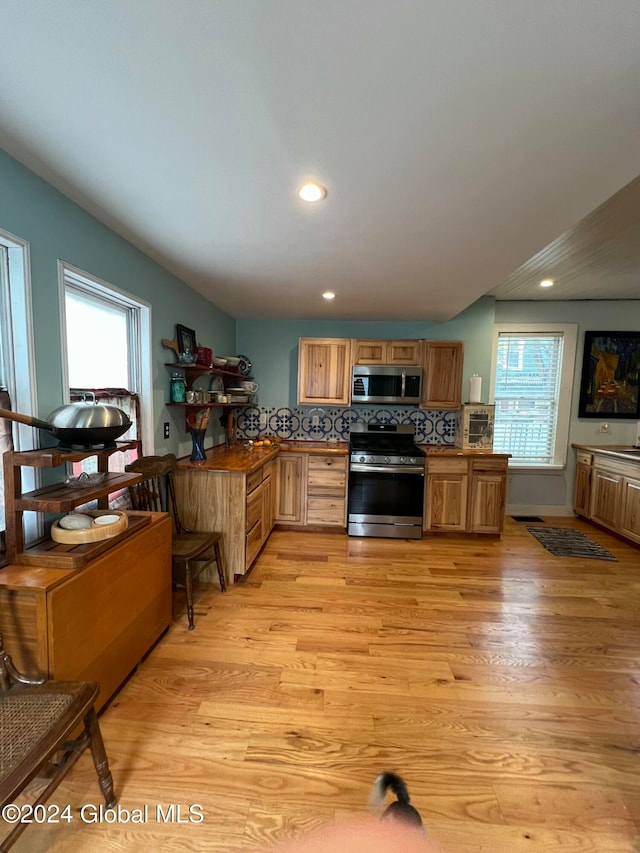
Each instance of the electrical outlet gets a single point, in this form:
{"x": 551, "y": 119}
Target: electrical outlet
{"x": 263, "y": 420}
{"x": 604, "y": 427}
{"x": 166, "y": 430}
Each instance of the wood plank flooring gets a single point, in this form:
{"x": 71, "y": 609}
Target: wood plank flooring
{"x": 503, "y": 683}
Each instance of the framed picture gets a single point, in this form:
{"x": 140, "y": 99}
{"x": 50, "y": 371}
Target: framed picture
{"x": 610, "y": 366}
{"x": 186, "y": 338}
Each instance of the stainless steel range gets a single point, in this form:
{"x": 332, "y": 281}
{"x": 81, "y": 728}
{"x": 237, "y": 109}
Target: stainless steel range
{"x": 386, "y": 482}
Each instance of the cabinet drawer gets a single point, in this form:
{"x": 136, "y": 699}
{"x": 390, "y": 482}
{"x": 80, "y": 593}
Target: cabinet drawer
{"x": 322, "y": 510}
{"x": 254, "y": 508}
{"x": 326, "y": 475}
{"x": 268, "y": 469}
{"x": 447, "y": 465}
{"x": 254, "y": 479}
{"x": 254, "y": 541}
{"x": 489, "y": 466}
{"x": 583, "y": 458}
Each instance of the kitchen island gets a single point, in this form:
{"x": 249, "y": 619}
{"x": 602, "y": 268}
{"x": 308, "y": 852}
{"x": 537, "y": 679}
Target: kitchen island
{"x": 242, "y": 492}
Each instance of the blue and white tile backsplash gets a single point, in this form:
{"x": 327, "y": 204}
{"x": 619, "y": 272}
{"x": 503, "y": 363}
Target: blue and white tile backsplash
{"x": 321, "y": 423}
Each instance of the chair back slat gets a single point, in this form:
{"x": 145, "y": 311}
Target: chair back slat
{"x": 156, "y": 492}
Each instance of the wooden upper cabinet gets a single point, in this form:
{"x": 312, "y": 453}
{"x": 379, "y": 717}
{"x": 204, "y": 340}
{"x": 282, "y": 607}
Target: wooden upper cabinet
{"x": 387, "y": 352}
{"x": 442, "y": 379}
{"x": 324, "y": 371}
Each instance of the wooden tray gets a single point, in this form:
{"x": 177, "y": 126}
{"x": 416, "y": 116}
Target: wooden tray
{"x": 96, "y": 533}
{"x": 57, "y": 555}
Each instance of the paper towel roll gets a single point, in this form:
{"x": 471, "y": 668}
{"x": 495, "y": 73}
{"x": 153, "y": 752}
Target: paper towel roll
{"x": 475, "y": 389}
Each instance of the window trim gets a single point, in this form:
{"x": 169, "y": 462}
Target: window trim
{"x": 565, "y": 397}
{"x": 20, "y": 363}
{"x": 140, "y": 329}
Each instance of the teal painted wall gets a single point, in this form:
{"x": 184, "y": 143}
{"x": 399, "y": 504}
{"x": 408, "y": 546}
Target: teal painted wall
{"x": 272, "y": 345}
{"x": 57, "y": 228}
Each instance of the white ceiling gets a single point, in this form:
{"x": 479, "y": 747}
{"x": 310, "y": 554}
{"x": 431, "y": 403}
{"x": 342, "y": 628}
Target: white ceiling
{"x": 456, "y": 139}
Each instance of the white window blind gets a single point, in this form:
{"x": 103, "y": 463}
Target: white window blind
{"x": 527, "y": 391}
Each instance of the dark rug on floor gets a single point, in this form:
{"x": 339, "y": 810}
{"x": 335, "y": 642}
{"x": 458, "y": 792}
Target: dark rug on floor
{"x": 528, "y": 518}
{"x": 566, "y": 542}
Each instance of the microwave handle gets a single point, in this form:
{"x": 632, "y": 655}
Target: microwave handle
{"x": 403, "y": 389}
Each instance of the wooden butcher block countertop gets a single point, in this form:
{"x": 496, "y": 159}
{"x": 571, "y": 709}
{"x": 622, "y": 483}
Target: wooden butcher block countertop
{"x": 242, "y": 459}
{"x": 450, "y": 450}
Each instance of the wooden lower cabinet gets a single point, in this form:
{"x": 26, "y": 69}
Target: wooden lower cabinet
{"x": 582, "y": 487}
{"x": 446, "y": 494}
{"x": 487, "y": 495}
{"x": 311, "y": 490}
{"x": 607, "y": 491}
{"x": 326, "y": 491}
{"x": 465, "y": 494}
{"x": 95, "y": 623}
{"x": 290, "y": 488}
{"x": 235, "y": 503}
{"x": 605, "y": 497}
{"x": 630, "y": 515}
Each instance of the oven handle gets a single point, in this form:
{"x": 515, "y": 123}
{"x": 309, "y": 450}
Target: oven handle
{"x": 386, "y": 469}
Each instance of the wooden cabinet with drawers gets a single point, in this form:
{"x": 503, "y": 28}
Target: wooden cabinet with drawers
{"x": 387, "y": 352}
{"x": 311, "y": 490}
{"x": 238, "y": 504}
{"x": 465, "y": 494}
{"x": 607, "y": 490}
{"x": 326, "y": 491}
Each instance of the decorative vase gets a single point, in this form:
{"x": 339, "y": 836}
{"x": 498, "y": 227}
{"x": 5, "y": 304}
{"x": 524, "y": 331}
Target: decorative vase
{"x": 197, "y": 445}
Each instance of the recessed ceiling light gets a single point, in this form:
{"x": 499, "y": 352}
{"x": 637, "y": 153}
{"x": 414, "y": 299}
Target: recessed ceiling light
{"x": 547, "y": 282}
{"x": 328, "y": 294}
{"x": 312, "y": 192}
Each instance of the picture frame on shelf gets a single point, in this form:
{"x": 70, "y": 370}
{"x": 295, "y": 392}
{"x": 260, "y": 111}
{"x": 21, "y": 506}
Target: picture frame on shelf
{"x": 610, "y": 368}
{"x": 186, "y": 338}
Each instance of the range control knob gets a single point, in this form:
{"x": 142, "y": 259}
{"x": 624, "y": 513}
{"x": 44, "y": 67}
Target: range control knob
{"x": 362, "y": 459}
{"x": 411, "y": 461}
{"x": 386, "y": 460}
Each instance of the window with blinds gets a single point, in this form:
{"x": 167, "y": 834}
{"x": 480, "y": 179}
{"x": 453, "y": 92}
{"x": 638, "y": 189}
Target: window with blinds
{"x": 528, "y": 396}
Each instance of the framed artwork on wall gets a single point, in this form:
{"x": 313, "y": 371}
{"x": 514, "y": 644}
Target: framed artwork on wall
{"x": 186, "y": 338}
{"x": 609, "y": 384}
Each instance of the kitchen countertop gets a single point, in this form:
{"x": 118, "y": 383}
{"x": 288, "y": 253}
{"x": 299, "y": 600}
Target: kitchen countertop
{"x": 241, "y": 459}
{"x": 323, "y": 448}
{"x": 615, "y": 450}
{"x": 450, "y": 450}
{"x": 238, "y": 459}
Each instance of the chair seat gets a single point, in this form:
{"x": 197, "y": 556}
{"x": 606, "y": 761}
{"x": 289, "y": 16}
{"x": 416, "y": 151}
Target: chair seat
{"x": 33, "y": 720}
{"x": 188, "y": 546}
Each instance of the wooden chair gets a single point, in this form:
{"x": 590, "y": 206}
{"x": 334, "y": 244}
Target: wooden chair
{"x": 191, "y": 551}
{"x": 39, "y": 723}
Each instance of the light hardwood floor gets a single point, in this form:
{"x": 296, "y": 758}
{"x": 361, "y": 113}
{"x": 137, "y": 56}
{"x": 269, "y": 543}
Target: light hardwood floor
{"x": 503, "y": 683}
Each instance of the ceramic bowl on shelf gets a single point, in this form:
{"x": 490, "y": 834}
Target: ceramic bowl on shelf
{"x": 219, "y": 362}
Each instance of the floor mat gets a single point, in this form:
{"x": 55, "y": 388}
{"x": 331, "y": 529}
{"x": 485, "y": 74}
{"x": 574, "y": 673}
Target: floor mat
{"x": 566, "y": 542}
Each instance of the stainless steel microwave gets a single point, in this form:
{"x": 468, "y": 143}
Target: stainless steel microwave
{"x": 396, "y": 384}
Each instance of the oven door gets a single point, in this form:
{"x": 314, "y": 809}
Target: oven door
{"x": 385, "y": 501}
